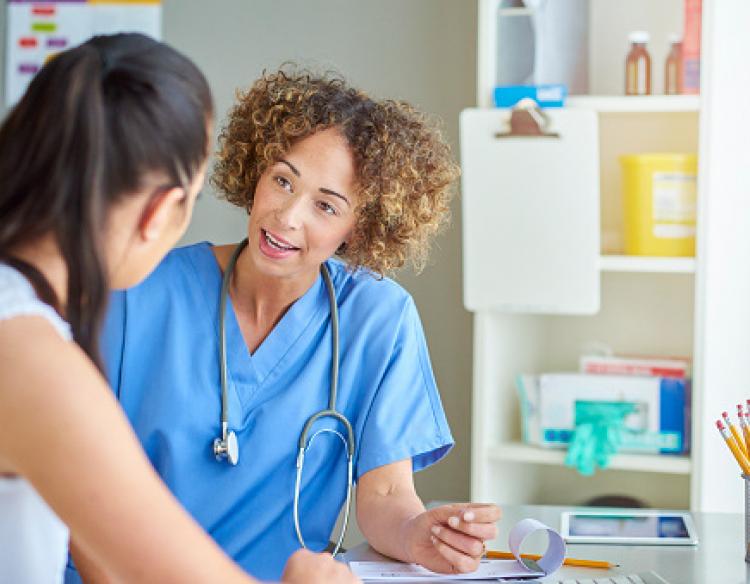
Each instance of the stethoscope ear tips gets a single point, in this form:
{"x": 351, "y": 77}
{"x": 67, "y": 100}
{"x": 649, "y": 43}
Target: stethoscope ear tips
{"x": 227, "y": 448}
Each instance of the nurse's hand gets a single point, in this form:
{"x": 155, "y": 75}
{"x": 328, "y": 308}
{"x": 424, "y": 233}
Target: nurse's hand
{"x": 450, "y": 539}
{"x": 306, "y": 567}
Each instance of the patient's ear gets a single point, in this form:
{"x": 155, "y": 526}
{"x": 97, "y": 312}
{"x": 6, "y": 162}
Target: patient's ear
{"x": 162, "y": 211}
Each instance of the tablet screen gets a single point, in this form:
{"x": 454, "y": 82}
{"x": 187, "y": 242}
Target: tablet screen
{"x": 630, "y": 526}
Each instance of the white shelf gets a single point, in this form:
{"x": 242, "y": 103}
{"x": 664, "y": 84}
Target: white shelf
{"x": 656, "y": 463}
{"x": 636, "y": 103}
{"x": 622, "y": 263}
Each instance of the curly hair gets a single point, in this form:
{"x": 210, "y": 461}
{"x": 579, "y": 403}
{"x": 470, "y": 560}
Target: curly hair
{"x": 404, "y": 168}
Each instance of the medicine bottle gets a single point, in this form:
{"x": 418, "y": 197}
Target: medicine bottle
{"x": 673, "y": 66}
{"x": 638, "y": 65}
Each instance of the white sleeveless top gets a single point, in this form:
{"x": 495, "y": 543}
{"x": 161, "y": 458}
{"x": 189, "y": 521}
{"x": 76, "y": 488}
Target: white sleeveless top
{"x": 33, "y": 540}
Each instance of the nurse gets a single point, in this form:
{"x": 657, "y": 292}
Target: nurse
{"x": 323, "y": 170}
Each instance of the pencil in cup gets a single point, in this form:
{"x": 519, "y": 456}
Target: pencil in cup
{"x": 733, "y": 429}
{"x": 497, "y": 555}
{"x": 744, "y": 426}
{"x": 734, "y": 448}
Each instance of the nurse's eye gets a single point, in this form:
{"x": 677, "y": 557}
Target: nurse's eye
{"x": 283, "y": 183}
{"x": 327, "y": 208}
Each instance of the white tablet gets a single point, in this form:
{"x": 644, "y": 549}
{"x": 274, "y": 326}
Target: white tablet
{"x": 632, "y": 526}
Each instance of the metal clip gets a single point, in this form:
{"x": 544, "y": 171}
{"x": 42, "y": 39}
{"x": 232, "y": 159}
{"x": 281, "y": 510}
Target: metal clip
{"x": 528, "y": 119}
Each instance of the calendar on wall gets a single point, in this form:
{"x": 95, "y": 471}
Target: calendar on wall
{"x": 37, "y": 31}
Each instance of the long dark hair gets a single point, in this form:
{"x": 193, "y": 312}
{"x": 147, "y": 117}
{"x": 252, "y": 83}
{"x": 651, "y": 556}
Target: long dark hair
{"x": 94, "y": 122}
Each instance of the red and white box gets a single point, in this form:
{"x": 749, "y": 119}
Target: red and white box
{"x": 672, "y": 367}
{"x": 691, "y": 48}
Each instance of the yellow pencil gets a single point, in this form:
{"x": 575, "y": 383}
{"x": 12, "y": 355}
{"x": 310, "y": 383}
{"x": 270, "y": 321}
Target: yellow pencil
{"x": 496, "y": 555}
{"x": 735, "y": 433}
{"x": 745, "y": 428}
{"x": 736, "y": 452}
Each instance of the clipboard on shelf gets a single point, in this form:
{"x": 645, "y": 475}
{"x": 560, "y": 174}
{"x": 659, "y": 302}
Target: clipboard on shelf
{"x": 530, "y": 202}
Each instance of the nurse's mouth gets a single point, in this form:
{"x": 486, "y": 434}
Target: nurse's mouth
{"x": 274, "y": 246}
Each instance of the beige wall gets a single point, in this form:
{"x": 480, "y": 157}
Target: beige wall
{"x": 419, "y": 50}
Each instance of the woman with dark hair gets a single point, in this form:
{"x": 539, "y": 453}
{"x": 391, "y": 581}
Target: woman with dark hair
{"x": 322, "y": 169}
{"x": 100, "y": 165}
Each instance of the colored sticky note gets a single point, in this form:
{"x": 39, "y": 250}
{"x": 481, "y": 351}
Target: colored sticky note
{"x": 43, "y": 26}
{"x": 43, "y": 10}
{"x": 28, "y": 68}
{"x": 27, "y": 42}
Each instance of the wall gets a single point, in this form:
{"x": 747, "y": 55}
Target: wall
{"x": 423, "y": 51}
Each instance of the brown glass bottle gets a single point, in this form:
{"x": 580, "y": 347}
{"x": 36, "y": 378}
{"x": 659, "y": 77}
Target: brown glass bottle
{"x": 638, "y": 65}
{"x": 673, "y": 67}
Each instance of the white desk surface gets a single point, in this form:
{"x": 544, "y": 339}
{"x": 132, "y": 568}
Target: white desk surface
{"x": 719, "y": 557}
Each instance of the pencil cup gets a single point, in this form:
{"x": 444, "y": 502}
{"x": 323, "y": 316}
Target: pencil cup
{"x": 747, "y": 517}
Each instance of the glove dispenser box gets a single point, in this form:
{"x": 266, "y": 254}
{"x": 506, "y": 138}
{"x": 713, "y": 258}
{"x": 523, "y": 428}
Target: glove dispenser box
{"x": 657, "y": 420}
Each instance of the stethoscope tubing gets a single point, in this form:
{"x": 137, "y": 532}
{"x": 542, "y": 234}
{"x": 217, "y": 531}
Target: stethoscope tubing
{"x": 226, "y": 446}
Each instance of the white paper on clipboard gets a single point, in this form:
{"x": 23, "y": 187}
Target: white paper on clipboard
{"x": 550, "y": 562}
{"x": 531, "y": 230}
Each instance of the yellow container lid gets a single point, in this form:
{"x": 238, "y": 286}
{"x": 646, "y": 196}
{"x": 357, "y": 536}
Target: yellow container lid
{"x": 656, "y": 158}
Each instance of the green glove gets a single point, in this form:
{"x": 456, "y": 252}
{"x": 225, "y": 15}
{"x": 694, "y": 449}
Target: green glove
{"x": 598, "y": 434}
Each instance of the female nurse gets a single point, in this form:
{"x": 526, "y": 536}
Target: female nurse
{"x": 323, "y": 170}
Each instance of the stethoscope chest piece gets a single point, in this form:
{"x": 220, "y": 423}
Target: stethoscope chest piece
{"x": 228, "y": 448}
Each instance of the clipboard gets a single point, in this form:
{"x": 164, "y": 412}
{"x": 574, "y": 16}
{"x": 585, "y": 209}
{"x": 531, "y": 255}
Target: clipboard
{"x": 530, "y": 202}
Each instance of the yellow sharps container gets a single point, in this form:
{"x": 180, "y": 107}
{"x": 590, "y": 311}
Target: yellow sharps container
{"x": 659, "y": 196}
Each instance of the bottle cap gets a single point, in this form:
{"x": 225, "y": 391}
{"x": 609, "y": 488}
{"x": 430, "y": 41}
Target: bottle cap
{"x": 639, "y": 36}
{"x": 674, "y": 38}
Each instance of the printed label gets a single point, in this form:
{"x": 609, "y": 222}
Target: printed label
{"x": 673, "y": 204}
{"x": 641, "y": 77}
{"x": 672, "y": 231}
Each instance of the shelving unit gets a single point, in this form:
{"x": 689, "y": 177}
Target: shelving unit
{"x": 653, "y": 265}
{"x": 520, "y": 452}
{"x": 636, "y": 104}
{"x": 698, "y": 307}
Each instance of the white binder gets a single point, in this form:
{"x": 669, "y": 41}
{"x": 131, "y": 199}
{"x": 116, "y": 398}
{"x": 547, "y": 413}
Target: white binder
{"x": 531, "y": 213}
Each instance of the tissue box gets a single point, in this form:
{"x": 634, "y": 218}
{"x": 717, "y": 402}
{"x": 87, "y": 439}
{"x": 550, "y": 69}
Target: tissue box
{"x": 659, "y": 423}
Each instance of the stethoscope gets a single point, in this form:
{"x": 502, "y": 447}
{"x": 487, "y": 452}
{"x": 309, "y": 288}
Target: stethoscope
{"x": 226, "y": 447}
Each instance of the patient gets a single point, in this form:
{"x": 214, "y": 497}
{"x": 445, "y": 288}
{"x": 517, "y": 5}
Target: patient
{"x": 100, "y": 165}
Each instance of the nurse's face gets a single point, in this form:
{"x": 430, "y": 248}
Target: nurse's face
{"x": 304, "y": 207}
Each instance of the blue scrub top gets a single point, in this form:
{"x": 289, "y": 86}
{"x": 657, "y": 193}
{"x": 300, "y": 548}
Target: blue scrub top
{"x": 161, "y": 352}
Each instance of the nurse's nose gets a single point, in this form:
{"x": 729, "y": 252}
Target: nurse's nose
{"x": 291, "y": 214}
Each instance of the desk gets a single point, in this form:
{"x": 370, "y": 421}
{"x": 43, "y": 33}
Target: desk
{"x": 719, "y": 557}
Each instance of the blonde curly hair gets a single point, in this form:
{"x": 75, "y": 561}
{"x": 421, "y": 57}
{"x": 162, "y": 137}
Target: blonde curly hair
{"x": 404, "y": 168}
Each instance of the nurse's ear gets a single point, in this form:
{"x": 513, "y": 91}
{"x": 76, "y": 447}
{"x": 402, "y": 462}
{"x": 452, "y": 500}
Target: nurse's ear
{"x": 341, "y": 250}
{"x": 162, "y": 212}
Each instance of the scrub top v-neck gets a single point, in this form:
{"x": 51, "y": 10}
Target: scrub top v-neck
{"x": 160, "y": 347}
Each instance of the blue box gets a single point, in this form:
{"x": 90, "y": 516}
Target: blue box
{"x": 551, "y": 95}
